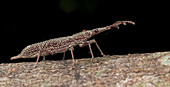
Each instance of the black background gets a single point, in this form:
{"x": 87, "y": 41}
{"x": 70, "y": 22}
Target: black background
{"x": 28, "y": 22}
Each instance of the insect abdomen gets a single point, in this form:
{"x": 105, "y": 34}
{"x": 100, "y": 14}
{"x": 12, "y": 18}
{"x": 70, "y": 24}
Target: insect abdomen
{"x": 56, "y": 45}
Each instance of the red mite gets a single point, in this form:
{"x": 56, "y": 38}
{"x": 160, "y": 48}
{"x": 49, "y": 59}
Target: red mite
{"x": 63, "y": 44}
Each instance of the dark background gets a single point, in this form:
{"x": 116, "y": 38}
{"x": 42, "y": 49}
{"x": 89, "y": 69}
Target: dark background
{"x": 28, "y": 22}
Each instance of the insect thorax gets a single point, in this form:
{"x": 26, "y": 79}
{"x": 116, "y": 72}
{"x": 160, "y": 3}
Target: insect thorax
{"x": 82, "y": 36}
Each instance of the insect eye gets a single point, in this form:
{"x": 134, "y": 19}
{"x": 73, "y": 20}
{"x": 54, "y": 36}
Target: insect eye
{"x": 96, "y": 30}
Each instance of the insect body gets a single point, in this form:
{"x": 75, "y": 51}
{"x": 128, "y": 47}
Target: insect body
{"x": 63, "y": 44}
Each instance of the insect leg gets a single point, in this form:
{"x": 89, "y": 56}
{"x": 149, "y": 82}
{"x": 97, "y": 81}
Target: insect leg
{"x": 48, "y": 51}
{"x": 39, "y": 53}
{"x": 43, "y": 58}
{"x": 64, "y": 55}
{"x": 98, "y": 47}
{"x": 91, "y": 51}
{"x": 71, "y": 49}
{"x": 37, "y": 59}
{"x": 89, "y": 43}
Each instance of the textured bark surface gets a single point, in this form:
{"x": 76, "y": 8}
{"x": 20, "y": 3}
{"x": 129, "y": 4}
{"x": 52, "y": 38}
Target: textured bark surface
{"x": 135, "y": 70}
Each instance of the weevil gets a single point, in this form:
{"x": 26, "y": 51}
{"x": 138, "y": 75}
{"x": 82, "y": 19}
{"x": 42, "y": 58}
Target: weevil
{"x": 63, "y": 44}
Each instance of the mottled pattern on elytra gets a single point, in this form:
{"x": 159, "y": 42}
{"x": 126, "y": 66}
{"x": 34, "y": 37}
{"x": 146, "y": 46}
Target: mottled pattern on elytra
{"x": 56, "y": 45}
